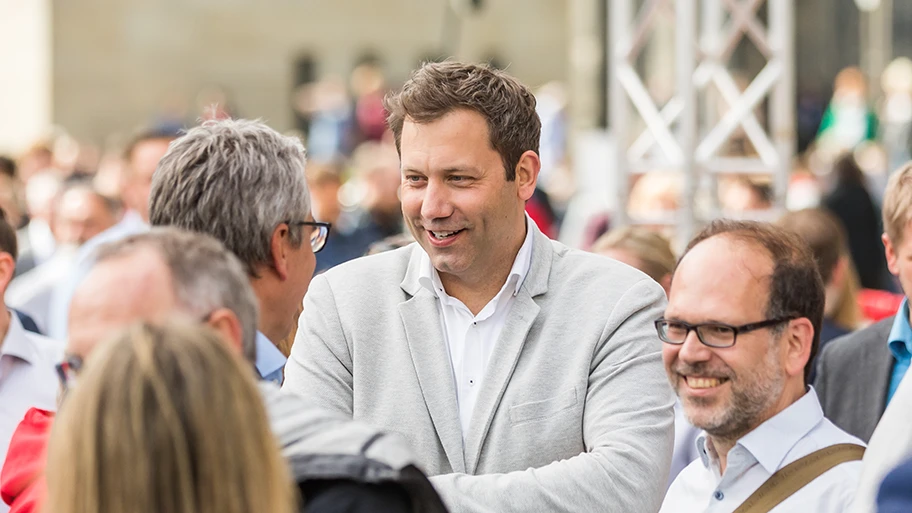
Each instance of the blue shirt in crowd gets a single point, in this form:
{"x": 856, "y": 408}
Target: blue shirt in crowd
{"x": 269, "y": 360}
{"x": 901, "y": 346}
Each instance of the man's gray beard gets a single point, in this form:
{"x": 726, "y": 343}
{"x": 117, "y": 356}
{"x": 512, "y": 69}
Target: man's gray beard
{"x": 747, "y": 403}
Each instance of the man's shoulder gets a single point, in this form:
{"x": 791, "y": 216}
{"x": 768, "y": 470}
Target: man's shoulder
{"x": 852, "y": 346}
{"x": 387, "y": 266}
{"x": 577, "y": 268}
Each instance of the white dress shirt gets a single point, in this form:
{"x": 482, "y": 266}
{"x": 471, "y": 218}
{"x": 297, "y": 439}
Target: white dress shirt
{"x": 793, "y": 433}
{"x": 27, "y": 378}
{"x": 471, "y": 338}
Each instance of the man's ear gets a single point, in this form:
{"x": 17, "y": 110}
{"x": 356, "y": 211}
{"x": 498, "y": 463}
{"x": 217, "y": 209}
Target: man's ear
{"x": 890, "y": 253}
{"x": 229, "y": 328}
{"x": 527, "y": 174}
{"x": 279, "y": 250}
{"x": 7, "y": 270}
{"x": 799, "y": 338}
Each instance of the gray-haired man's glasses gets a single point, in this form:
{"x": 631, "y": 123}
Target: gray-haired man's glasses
{"x": 318, "y": 235}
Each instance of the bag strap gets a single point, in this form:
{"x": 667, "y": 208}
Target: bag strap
{"x": 794, "y": 476}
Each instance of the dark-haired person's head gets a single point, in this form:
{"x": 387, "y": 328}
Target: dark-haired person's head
{"x": 742, "y": 323}
{"x": 81, "y": 212}
{"x": 468, "y": 138}
{"x": 9, "y": 251}
{"x": 827, "y": 239}
{"x": 7, "y": 167}
{"x": 141, "y": 159}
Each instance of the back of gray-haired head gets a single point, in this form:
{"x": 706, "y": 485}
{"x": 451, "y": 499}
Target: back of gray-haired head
{"x": 235, "y": 180}
{"x": 204, "y": 275}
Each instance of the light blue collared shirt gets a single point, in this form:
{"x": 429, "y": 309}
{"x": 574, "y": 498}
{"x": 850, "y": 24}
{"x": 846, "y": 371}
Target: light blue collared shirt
{"x": 900, "y": 342}
{"x": 269, "y": 360}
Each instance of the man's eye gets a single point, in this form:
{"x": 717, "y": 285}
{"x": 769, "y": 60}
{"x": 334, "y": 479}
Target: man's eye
{"x": 676, "y": 327}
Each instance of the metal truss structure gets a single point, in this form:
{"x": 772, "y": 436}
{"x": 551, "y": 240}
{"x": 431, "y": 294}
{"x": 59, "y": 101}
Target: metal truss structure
{"x": 686, "y": 135}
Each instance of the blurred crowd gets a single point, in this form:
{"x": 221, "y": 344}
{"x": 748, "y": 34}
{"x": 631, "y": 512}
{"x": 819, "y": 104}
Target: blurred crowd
{"x": 145, "y": 279}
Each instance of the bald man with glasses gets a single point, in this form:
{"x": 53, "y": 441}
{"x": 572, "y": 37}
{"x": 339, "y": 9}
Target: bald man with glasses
{"x": 743, "y": 321}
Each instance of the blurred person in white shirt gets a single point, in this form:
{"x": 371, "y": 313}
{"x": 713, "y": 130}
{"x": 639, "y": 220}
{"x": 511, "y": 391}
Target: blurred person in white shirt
{"x": 27, "y": 360}
{"x": 80, "y": 214}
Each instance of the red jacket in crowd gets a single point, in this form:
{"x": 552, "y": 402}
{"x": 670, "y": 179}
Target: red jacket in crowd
{"x": 22, "y": 484}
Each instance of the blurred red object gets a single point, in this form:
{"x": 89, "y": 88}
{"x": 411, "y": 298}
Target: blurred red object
{"x": 878, "y": 304}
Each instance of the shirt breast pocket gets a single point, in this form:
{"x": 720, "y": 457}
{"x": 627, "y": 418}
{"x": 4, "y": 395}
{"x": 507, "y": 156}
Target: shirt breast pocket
{"x": 538, "y": 410}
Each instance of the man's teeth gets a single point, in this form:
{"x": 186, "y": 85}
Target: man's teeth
{"x": 444, "y": 235}
{"x": 703, "y": 382}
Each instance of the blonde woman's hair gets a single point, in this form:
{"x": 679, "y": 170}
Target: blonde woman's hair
{"x": 651, "y": 248}
{"x": 165, "y": 418}
{"x": 897, "y": 203}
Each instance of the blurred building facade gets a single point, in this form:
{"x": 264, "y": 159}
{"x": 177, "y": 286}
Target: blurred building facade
{"x": 98, "y": 67}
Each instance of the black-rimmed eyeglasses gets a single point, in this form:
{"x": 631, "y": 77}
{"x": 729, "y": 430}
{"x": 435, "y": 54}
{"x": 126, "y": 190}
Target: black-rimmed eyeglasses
{"x": 712, "y": 334}
{"x": 318, "y": 235}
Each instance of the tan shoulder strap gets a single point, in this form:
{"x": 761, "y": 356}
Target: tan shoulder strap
{"x": 794, "y": 476}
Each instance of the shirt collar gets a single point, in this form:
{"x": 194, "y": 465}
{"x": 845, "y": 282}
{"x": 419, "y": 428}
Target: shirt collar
{"x": 268, "y": 357}
{"x": 901, "y": 333}
{"x": 17, "y": 342}
{"x": 771, "y": 441}
{"x": 429, "y": 278}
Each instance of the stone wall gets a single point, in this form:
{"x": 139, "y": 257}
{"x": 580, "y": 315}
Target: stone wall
{"x": 116, "y": 63}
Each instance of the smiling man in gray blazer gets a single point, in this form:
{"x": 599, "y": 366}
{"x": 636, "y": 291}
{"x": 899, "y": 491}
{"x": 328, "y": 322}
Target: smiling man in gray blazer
{"x": 526, "y": 376}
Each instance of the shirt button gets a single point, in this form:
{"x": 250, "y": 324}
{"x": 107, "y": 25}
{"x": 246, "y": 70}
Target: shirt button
{"x": 718, "y": 495}
{"x": 471, "y": 382}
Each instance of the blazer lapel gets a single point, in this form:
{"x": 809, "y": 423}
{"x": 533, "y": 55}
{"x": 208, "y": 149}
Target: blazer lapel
{"x": 509, "y": 347}
{"x": 421, "y": 318}
{"x": 879, "y": 367}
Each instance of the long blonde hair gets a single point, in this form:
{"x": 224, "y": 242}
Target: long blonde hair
{"x": 653, "y": 250}
{"x": 165, "y": 418}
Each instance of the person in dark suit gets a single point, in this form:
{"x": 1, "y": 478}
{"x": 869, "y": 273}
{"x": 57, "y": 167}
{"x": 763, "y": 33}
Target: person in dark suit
{"x": 857, "y": 374}
{"x": 895, "y": 494}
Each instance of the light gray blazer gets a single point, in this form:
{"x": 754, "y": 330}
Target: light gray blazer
{"x": 575, "y": 414}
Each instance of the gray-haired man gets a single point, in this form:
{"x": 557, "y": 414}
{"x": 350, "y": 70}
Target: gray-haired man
{"x": 243, "y": 183}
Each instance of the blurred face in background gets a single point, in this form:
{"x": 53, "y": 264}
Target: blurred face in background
{"x": 80, "y": 215}
{"x": 9, "y": 200}
{"x": 140, "y": 168}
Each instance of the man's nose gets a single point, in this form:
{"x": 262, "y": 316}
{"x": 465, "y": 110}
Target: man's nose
{"x": 693, "y": 350}
{"x": 437, "y": 203}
